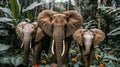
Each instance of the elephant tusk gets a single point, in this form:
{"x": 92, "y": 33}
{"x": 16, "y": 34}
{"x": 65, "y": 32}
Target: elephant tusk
{"x": 30, "y": 45}
{"x": 63, "y": 48}
{"x": 22, "y": 45}
{"x": 53, "y": 47}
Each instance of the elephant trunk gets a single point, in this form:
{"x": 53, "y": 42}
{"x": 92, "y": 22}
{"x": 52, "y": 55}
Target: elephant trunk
{"x": 26, "y": 50}
{"x": 88, "y": 45}
{"x": 59, "y": 45}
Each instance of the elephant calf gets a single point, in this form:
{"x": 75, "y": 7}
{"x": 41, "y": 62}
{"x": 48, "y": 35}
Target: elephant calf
{"x": 87, "y": 39}
{"x": 31, "y": 36}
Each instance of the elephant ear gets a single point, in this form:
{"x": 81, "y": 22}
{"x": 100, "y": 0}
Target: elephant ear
{"x": 74, "y": 21}
{"x": 45, "y": 21}
{"x": 39, "y": 33}
{"x": 78, "y": 36}
{"x": 19, "y": 29}
{"x": 99, "y": 36}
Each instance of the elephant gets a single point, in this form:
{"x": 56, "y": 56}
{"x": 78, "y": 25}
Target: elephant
{"x": 87, "y": 39}
{"x": 32, "y": 37}
{"x": 60, "y": 27}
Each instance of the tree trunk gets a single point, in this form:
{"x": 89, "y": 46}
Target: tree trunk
{"x": 53, "y": 4}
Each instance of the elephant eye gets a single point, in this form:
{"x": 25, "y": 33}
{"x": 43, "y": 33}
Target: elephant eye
{"x": 83, "y": 39}
{"x": 32, "y": 26}
{"x": 64, "y": 17}
{"x": 53, "y": 16}
{"x": 33, "y": 33}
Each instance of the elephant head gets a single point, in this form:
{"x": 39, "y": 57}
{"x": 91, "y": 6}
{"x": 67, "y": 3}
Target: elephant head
{"x": 28, "y": 32}
{"x": 59, "y": 26}
{"x": 88, "y": 37}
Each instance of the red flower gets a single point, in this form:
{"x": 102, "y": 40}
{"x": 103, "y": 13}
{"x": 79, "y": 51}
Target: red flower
{"x": 36, "y": 65}
{"x": 53, "y": 66}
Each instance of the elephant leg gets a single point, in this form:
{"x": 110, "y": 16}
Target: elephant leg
{"x": 85, "y": 59}
{"x": 36, "y": 51}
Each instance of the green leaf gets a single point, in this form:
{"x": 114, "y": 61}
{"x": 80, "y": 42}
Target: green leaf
{"x": 5, "y": 19}
{"x": 8, "y": 21}
{"x": 32, "y": 6}
{"x": 115, "y": 31}
{"x": 5, "y": 60}
{"x": 111, "y": 57}
{"x": 2, "y": 5}
{"x": 7, "y": 11}
{"x": 15, "y": 8}
{"x": 117, "y": 19}
{"x": 47, "y": 65}
{"x": 106, "y": 10}
{"x": 16, "y": 60}
{"x": 110, "y": 64}
{"x": 30, "y": 16}
{"x": 4, "y": 47}
{"x": 4, "y": 33}
{"x": 115, "y": 11}
{"x": 76, "y": 65}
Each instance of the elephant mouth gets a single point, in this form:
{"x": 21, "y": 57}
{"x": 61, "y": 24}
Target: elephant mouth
{"x": 63, "y": 51}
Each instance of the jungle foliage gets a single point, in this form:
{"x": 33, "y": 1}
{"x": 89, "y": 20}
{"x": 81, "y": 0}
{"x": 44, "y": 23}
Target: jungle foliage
{"x": 104, "y": 15}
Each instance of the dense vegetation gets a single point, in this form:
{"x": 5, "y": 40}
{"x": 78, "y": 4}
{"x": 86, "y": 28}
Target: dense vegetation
{"x": 104, "y": 15}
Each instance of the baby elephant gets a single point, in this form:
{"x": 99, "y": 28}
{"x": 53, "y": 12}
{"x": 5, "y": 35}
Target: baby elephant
{"x": 87, "y": 39}
{"x": 30, "y": 35}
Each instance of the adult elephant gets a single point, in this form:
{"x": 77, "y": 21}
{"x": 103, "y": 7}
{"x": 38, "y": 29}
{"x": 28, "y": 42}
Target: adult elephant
{"x": 60, "y": 26}
{"x": 87, "y": 39}
{"x": 31, "y": 36}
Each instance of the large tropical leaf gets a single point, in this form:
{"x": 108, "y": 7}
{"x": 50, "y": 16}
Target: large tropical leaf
{"x": 105, "y": 10}
{"x": 5, "y": 19}
{"x": 110, "y": 12}
{"x": 117, "y": 19}
{"x": 15, "y": 8}
{"x": 111, "y": 57}
{"x": 115, "y": 31}
{"x": 5, "y": 60}
{"x": 115, "y": 12}
{"x": 30, "y": 16}
{"x": 13, "y": 60}
{"x": 32, "y": 6}
{"x": 90, "y": 24}
{"x": 16, "y": 60}
{"x": 4, "y": 33}
{"x": 7, "y": 11}
{"x": 4, "y": 47}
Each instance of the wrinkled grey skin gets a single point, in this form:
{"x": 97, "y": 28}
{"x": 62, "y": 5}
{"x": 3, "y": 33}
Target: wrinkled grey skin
{"x": 60, "y": 26}
{"x": 87, "y": 39}
{"x": 30, "y": 35}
